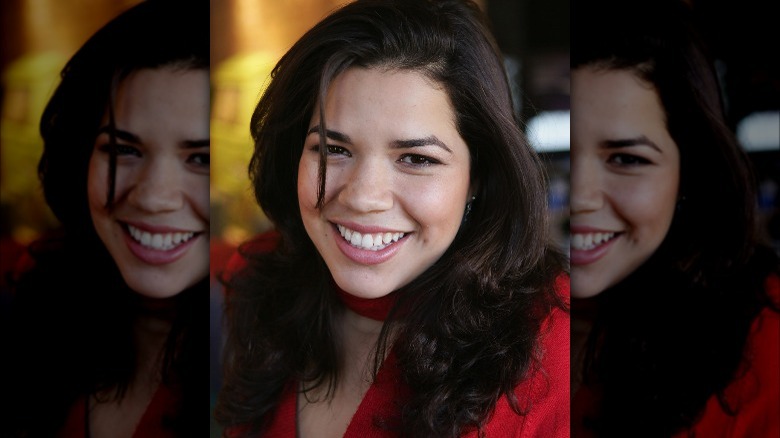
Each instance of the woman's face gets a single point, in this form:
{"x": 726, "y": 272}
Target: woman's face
{"x": 158, "y": 229}
{"x": 397, "y": 179}
{"x": 625, "y": 177}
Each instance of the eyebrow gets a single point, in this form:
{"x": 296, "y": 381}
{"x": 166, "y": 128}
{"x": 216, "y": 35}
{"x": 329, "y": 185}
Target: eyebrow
{"x": 333, "y": 135}
{"x": 398, "y": 144}
{"x": 629, "y": 142}
{"x": 132, "y": 138}
{"x": 194, "y": 144}
{"x": 417, "y": 142}
{"x": 120, "y": 134}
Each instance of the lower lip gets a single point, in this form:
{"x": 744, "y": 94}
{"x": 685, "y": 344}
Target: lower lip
{"x": 581, "y": 257}
{"x": 153, "y": 256}
{"x": 366, "y": 256}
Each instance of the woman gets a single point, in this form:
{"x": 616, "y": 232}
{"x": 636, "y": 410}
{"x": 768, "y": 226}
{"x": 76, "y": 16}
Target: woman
{"x": 409, "y": 288}
{"x": 111, "y": 301}
{"x": 683, "y": 314}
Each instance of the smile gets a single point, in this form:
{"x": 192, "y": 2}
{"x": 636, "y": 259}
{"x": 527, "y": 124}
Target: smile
{"x": 159, "y": 241}
{"x": 588, "y": 241}
{"x": 589, "y": 246}
{"x": 370, "y": 242}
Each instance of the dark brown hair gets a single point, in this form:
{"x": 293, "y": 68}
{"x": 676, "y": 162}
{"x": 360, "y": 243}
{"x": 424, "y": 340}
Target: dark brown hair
{"x": 73, "y": 307}
{"x": 471, "y": 321}
{"x": 672, "y": 334}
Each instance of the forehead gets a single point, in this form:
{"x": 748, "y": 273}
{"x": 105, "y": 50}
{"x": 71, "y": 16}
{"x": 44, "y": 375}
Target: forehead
{"x": 164, "y": 101}
{"x": 402, "y": 99}
{"x": 616, "y": 91}
{"x": 615, "y": 103}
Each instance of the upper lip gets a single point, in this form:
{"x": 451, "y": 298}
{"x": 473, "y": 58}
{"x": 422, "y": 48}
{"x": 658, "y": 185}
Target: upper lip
{"x": 584, "y": 229}
{"x": 157, "y": 229}
{"x": 367, "y": 229}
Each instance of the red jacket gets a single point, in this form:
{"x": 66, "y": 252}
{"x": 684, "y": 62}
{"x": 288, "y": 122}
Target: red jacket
{"x": 548, "y": 417}
{"x": 755, "y": 395}
{"x": 547, "y": 389}
{"x": 151, "y": 423}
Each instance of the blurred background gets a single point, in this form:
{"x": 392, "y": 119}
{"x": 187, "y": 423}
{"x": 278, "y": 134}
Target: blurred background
{"x": 743, "y": 36}
{"x": 37, "y": 37}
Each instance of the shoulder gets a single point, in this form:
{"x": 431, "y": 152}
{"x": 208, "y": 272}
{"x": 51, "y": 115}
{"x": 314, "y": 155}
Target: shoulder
{"x": 544, "y": 396}
{"x": 763, "y": 346}
{"x": 549, "y": 413}
{"x": 754, "y": 395}
{"x": 556, "y": 334}
{"x": 772, "y": 288}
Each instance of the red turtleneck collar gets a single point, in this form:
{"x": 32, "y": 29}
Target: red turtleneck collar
{"x": 374, "y": 308}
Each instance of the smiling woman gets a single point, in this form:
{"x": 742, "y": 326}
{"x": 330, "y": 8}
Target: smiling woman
{"x": 159, "y": 200}
{"x": 625, "y": 177}
{"x": 112, "y": 298}
{"x": 409, "y": 288}
{"x": 385, "y": 180}
{"x": 680, "y": 298}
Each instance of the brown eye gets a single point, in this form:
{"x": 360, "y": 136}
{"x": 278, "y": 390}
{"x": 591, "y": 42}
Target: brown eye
{"x": 418, "y": 160}
{"x": 121, "y": 149}
{"x": 201, "y": 159}
{"x": 627, "y": 160}
{"x": 338, "y": 150}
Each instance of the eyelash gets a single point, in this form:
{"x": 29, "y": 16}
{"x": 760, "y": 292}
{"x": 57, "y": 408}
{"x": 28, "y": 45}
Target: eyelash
{"x": 205, "y": 159}
{"x": 628, "y": 160}
{"x": 414, "y": 160}
{"x": 422, "y": 160}
{"x": 201, "y": 159}
{"x": 333, "y": 150}
{"x": 121, "y": 149}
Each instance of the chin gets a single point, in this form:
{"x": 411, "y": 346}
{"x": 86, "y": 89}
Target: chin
{"x": 362, "y": 287}
{"x": 585, "y": 287}
{"x": 157, "y": 288}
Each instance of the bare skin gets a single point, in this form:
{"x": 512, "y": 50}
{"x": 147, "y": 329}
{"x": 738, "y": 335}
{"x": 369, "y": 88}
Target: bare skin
{"x": 119, "y": 418}
{"x": 318, "y": 417}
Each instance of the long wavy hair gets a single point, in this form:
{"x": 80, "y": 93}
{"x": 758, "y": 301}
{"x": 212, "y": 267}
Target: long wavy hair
{"x": 72, "y": 309}
{"x": 470, "y": 323}
{"x": 672, "y": 334}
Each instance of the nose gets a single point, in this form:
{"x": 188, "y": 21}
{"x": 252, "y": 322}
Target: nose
{"x": 586, "y": 185}
{"x": 158, "y": 187}
{"x": 367, "y": 187}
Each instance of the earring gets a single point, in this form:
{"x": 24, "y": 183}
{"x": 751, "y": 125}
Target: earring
{"x": 680, "y": 202}
{"x": 468, "y": 209}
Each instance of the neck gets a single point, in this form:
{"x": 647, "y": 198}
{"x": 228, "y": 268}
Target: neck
{"x": 151, "y": 329}
{"x": 360, "y": 336}
{"x": 361, "y": 323}
{"x": 371, "y": 308}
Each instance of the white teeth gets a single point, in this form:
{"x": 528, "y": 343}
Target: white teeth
{"x": 159, "y": 241}
{"x": 589, "y": 241}
{"x": 372, "y": 242}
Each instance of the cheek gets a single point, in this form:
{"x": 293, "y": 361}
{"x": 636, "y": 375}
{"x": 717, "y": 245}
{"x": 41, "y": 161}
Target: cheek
{"x": 96, "y": 183}
{"x": 199, "y": 192}
{"x": 307, "y": 184}
{"x": 438, "y": 205}
{"x": 648, "y": 205}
